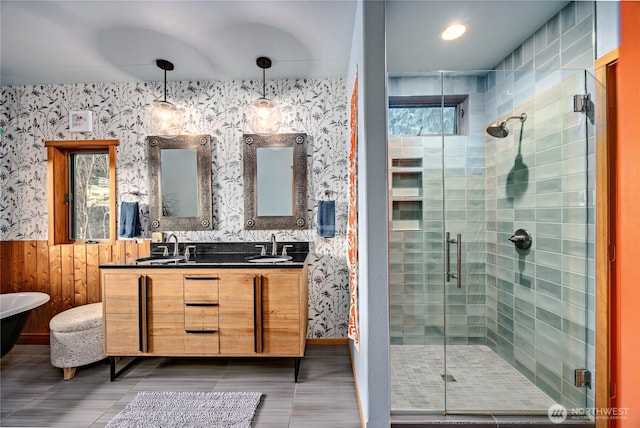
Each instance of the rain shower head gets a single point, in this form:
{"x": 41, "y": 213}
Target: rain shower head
{"x": 499, "y": 129}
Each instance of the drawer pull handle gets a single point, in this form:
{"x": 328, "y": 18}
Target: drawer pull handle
{"x": 201, "y": 331}
{"x": 201, "y": 304}
{"x": 201, "y": 278}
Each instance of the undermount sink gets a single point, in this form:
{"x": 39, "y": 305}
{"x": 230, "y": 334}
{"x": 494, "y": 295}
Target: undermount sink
{"x": 268, "y": 259}
{"x": 160, "y": 259}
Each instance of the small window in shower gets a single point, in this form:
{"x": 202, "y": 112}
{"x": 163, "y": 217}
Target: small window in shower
{"x": 427, "y": 115}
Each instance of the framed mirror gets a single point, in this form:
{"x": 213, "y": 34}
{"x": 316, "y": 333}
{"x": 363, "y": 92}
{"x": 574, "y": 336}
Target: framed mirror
{"x": 179, "y": 182}
{"x": 275, "y": 181}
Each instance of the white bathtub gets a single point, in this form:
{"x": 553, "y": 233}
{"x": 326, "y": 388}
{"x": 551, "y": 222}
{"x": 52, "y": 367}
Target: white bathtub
{"x": 14, "y": 311}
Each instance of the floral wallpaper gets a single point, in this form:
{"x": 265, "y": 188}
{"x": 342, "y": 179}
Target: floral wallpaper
{"x": 31, "y": 115}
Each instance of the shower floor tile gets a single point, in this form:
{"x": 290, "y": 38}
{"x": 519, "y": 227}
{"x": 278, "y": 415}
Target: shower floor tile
{"x": 484, "y": 382}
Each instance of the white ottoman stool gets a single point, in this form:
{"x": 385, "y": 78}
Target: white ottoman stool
{"x": 76, "y": 338}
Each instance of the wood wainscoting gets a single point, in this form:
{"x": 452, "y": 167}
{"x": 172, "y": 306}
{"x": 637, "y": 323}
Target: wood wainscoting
{"x": 67, "y": 273}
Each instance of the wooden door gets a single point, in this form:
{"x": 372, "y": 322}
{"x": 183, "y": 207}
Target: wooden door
{"x": 121, "y": 309}
{"x": 236, "y": 313}
{"x": 281, "y": 313}
{"x": 165, "y": 313}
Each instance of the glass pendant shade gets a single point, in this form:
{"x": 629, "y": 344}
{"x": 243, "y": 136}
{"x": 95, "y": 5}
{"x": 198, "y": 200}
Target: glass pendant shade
{"x": 264, "y": 117}
{"x": 165, "y": 119}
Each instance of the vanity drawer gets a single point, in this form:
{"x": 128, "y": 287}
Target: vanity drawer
{"x": 200, "y": 317}
{"x": 201, "y": 288}
{"x": 202, "y": 343}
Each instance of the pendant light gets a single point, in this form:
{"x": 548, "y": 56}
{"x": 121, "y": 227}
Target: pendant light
{"x": 165, "y": 119}
{"x": 264, "y": 114}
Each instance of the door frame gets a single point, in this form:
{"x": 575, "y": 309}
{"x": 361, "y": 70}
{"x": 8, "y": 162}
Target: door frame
{"x": 606, "y": 136}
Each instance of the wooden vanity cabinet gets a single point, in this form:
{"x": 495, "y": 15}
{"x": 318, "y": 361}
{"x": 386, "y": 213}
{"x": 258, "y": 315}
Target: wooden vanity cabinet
{"x": 204, "y": 312}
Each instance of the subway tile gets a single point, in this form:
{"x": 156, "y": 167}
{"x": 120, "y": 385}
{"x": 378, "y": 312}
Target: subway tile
{"x": 577, "y": 39}
{"x": 584, "y": 10}
{"x": 575, "y": 297}
{"x": 548, "y": 259}
{"x": 567, "y": 18}
{"x": 548, "y": 318}
{"x": 549, "y": 215}
{"x": 549, "y": 303}
{"x": 550, "y": 377}
{"x": 526, "y": 308}
{"x": 574, "y": 215}
{"x": 548, "y": 244}
{"x": 548, "y": 342}
{"x": 549, "y": 288}
{"x": 575, "y": 264}
{"x": 553, "y": 28}
{"x": 575, "y": 330}
{"x": 505, "y": 337}
{"x": 551, "y": 185}
{"x": 574, "y": 352}
{"x": 549, "y": 274}
{"x": 540, "y": 39}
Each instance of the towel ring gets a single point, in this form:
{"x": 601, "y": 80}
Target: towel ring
{"x": 134, "y": 193}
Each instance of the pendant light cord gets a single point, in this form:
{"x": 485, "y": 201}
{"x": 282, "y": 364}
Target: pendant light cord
{"x": 165, "y": 85}
{"x": 264, "y": 86}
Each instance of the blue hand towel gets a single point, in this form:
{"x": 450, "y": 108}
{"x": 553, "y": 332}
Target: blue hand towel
{"x": 129, "y": 220}
{"x": 327, "y": 219}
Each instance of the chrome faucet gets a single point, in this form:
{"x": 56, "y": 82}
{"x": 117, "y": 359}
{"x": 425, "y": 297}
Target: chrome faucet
{"x": 175, "y": 248}
{"x": 274, "y": 245}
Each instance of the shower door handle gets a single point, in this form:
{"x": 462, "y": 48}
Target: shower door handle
{"x": 458, "y": 274}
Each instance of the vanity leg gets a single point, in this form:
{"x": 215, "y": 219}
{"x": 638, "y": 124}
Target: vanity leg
{"x": 113, "y": 373}
{"x": 296, "y": 367}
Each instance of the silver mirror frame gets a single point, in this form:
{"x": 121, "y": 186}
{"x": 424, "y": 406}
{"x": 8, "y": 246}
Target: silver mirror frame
{"x": 202, "y": 144}
{"x": 251, "y": 142}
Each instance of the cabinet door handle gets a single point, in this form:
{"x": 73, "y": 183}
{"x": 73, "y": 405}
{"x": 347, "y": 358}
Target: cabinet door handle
{"x": 201, "y": 278}
{"x": 142, "y": 314}
{"x": 257, "y": 314}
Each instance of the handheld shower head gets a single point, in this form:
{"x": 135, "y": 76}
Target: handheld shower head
{"x": 499, "y": 129}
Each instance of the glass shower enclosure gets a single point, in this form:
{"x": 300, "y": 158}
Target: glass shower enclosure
{"x": 491, "y": 241}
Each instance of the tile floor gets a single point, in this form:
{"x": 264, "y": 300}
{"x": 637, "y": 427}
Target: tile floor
{"x": 485, "y": 383}
{"x": 33, "y": 393}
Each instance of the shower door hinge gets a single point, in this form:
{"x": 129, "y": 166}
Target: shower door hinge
{"x": 582, "y": 378}
{"x": 582, "y": 103}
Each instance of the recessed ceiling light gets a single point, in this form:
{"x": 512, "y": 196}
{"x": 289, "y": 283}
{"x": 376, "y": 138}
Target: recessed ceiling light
{"x": 453, "y": 32}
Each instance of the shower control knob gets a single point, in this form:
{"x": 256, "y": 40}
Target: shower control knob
{"x": 522, "y": 239}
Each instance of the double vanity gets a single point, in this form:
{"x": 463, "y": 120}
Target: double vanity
{"x": 224, "y": 299}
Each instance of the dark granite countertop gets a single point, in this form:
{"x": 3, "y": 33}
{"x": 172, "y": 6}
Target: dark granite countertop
{"x": 222, "y": 255}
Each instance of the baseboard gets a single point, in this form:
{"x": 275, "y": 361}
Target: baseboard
{"x": 355, "y": 382}
{"x": 33, "y": 339}
{"x": 329, "y": 341}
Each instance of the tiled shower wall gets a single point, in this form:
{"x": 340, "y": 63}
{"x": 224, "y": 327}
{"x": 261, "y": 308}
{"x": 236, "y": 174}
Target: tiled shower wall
{"x": 418, "y": 300}
{"x": 540, "y": 304}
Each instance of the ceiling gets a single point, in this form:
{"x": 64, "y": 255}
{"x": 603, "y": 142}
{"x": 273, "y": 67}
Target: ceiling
{"x": 83, "y": 41}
